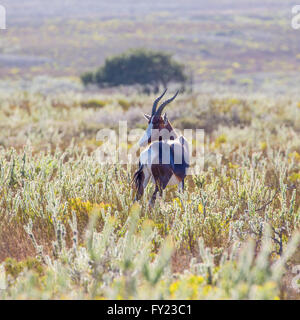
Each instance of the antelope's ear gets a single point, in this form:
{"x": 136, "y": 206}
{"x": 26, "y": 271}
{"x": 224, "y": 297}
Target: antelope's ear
{"x": 147, "y": 116}
{"x": 165, "y": 118}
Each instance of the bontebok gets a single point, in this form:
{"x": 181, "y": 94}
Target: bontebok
{"x": 166, "y": 159}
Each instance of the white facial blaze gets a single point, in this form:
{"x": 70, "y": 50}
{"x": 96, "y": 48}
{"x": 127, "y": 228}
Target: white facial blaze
{"x": 144, "y": 140}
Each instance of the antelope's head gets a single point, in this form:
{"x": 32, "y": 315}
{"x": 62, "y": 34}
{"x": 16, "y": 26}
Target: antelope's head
{"x": 156, "y": 122}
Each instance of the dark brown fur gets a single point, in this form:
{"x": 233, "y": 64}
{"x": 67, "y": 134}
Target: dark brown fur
{"x": 162, "y": 174}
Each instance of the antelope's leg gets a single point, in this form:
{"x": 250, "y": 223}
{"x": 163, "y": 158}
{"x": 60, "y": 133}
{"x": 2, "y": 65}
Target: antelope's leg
{"x": 147, "y": 174}
{"x": 181, "y": 189}
{"x": 161, "y": 174}
{"x": 153, "y": 198}
{"x": 181, "y": 186}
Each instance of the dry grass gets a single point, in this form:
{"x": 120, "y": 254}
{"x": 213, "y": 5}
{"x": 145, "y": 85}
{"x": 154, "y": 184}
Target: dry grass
{"x": 52, "y": 186}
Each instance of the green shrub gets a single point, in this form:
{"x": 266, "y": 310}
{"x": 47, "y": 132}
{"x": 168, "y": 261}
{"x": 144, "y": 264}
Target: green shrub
{"x": 87, "y": 78}
{"x": 138, "y": 67}
{"x": 94, "y": 103}
{"x": 14, "y": 268}
{"x": 124, "y": 104}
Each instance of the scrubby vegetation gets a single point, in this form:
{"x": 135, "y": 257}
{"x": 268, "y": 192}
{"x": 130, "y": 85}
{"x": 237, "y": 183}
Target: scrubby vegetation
{"x": 149, "y": 69}
{"x": 227, "y": 42}
{"x": 69, "y": 227}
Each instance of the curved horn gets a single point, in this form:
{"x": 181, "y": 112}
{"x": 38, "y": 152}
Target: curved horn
{"x": 162, "y": 106}
{"x": 156, "y": 102}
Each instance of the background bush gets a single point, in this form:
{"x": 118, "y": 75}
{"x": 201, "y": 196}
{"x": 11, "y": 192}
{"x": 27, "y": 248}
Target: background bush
{"x": 138, "y": 67}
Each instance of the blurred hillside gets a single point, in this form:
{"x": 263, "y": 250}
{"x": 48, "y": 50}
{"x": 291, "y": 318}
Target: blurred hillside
{"x": 234, "y": 43}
